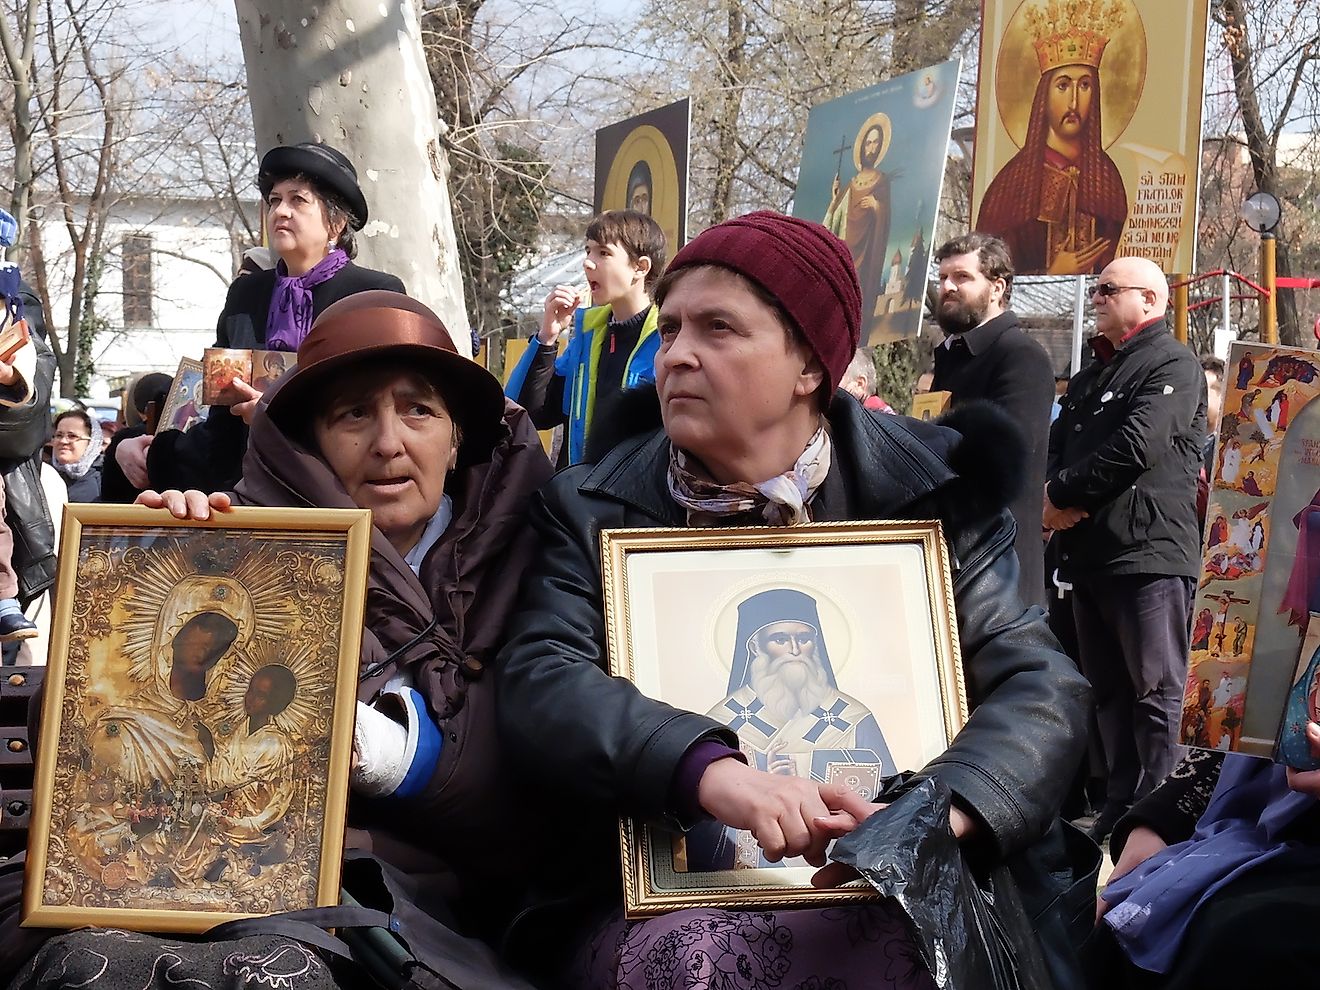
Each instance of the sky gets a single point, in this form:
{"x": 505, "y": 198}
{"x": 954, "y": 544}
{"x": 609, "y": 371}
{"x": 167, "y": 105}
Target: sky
{"x": 202, "y": 27}
{"x": 198, "y": 28}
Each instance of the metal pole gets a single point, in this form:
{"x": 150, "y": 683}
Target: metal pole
{"x": 1225, "y": 335}
{"x": 1226, "y": 314}
{"x": 1079, "y": 311}
{"x": 1180, "y": 294}
{"x": 1270, "y": 304}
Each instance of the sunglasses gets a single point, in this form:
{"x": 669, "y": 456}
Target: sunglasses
{"x": 1110, "y": 289}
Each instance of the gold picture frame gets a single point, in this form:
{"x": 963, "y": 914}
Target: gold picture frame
{"x": 722, "y": 607}
{"x": 197, "y": 724}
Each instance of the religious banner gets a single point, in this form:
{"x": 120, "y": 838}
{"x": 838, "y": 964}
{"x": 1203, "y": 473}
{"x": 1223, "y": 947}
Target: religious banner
{"x": 772, "y": 633}
{"x": 1088, "y": 131}
{"x": 642, "y": 164}
{"x": 1254, "y": 675}
{"x": 872, "y": 170}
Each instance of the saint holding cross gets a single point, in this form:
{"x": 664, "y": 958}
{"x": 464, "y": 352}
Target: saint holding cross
{"x": 860, "y": 213}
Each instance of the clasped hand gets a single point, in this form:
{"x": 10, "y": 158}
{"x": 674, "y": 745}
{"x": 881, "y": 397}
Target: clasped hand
{"x": 792, "y": 816}
{"x": 1307, "y": 781}
{"x": 1057, "y": 520}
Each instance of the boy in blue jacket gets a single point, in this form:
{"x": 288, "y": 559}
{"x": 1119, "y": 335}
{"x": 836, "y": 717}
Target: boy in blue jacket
{"x": 613, "y": 343}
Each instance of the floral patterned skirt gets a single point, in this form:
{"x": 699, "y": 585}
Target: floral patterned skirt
{"x": 845, "y": 948}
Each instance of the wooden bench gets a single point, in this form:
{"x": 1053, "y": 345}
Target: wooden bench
{"x": 17, "y": 686}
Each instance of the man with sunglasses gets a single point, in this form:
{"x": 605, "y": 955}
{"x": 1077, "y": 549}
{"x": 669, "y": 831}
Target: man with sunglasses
{"x": 1120, "y": 497}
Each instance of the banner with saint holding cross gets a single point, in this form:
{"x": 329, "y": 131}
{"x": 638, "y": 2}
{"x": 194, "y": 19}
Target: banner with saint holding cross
{"x": 872, "y": 169}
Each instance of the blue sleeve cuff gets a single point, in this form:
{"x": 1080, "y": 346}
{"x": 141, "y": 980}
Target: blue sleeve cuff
{"x": 425, "y": 742}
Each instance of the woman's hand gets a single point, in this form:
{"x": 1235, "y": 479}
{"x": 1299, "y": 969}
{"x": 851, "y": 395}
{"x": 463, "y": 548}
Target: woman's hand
{"x": 1142, "y": 843}
{"x": 191, "y": 504}
{"x": 848, "y": 809}
{"x": 244, "y": 410}
{"x": 1308, "y": 781}
{"x": 131, "y": 456}
{"x": 777, "y": 810}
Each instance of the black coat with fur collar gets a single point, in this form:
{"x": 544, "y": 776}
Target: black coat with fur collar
{"x": 601, "y": 748}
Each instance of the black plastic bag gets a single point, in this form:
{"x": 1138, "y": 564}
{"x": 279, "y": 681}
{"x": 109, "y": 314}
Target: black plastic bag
{"x": 908, "y": 852}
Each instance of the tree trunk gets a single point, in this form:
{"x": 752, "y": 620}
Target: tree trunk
{"x": 909, "y": 30}
{"x": 451, "y": 62}
{"x": 731, "y": 82}
{"x": 18, "y": 55}
{"x": 1262, "y": 150}
{"x": 21, "y": 196}
{"x": 351, "y": 74}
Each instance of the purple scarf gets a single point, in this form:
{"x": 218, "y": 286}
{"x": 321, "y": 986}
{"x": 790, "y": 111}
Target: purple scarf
{"x": 290, "y": 316}
{"x": 1151, "y": 907}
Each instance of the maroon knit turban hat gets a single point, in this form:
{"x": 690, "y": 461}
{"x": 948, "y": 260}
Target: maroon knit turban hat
{"x": 805, "y": 267}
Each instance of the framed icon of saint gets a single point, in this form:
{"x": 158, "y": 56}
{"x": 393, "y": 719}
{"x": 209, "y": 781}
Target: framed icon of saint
{"x": 830, "y": 649}
{"x": 198, "y": 717}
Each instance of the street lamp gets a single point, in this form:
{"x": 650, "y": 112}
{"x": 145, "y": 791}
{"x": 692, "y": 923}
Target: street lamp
{"x": 1262, "y": 212}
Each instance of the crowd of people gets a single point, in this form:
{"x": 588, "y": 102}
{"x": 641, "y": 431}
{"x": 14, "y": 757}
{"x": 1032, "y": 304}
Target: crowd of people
{"x": 725, "y": 387}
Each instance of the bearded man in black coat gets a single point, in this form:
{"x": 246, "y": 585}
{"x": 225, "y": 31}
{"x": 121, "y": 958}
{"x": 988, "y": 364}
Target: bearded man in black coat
{"x": 987, "y": 356}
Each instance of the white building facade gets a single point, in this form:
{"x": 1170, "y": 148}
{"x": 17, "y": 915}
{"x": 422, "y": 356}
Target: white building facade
{"x": 166, "y": 268}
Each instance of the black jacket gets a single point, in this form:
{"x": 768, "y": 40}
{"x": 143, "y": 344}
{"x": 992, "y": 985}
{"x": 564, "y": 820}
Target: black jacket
{"x": 999, "y": 363}
{"x": 209, "y": 456}
{"x": 88, "y": 487}
{"x": 115, "y": 487}
{"x": 23, "y": 431}
{"x": 1127, "y": 448}
{"x": 600, "y": 748}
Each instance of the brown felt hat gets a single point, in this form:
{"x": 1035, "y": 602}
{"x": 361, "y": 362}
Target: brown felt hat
{"x": 369, "y": 326}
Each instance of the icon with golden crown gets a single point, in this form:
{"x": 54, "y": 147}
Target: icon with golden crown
{"x": 1087, "y": 143}
{"x": 1061, "y": 202}
{"x": 1106, "y": 35}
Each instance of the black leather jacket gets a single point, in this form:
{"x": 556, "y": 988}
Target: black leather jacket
{"x": 23, "y": 430}
{"x": 598, "y": 747}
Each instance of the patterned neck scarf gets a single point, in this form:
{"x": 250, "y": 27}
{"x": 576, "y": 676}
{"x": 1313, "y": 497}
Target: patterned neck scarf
{"x": 781, "y": 501}
{"x": 290, "y": 315}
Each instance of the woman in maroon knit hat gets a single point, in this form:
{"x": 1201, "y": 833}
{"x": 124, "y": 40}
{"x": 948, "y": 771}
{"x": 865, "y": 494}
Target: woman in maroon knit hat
{"x": 759, "y": 318}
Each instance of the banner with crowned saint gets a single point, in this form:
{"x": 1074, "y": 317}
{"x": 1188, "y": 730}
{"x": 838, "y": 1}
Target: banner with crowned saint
{"x": 1094, "y": 151}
